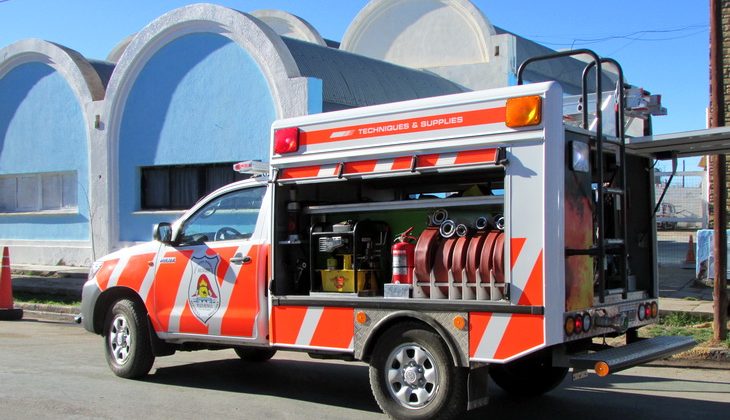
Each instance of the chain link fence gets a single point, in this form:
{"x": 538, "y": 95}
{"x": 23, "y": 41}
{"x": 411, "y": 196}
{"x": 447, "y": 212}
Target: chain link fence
{"x": 681, "y": 214}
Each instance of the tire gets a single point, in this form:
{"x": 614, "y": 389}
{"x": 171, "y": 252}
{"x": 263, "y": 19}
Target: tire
{"x": 254, "y": 354}
{"x": 529, "y": 376}
{"x": 412, "y": 375}
{"x": 127, "y": 340}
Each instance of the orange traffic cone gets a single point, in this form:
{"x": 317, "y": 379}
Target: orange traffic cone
{"x": 7, "y": 313}
{"x": 690, "y": 258}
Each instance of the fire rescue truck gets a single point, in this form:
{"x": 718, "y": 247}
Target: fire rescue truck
{"x": 442, "y": 241}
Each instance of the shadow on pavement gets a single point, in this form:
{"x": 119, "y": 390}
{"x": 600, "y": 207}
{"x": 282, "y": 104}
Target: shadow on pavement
{"x": 346, "y": 385}
{"x": 333, "y": 384}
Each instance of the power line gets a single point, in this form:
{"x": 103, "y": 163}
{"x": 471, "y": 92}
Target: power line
{"x": 632, "y": 36}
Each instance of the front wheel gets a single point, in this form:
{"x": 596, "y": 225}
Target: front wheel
{"x": 127, "y": 340}
{"x": 412, "y": 375}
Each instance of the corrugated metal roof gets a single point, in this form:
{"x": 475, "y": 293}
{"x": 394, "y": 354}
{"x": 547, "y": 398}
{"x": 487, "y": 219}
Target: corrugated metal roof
{"x": 567, "y": 70}
{"x": 352, "y": 80}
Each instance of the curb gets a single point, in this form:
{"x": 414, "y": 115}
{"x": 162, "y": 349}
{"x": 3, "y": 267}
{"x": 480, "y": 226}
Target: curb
{"x": 65, "y": 313}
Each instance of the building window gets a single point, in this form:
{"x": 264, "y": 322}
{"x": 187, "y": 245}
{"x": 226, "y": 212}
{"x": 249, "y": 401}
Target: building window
{"x": 179, "y": 187}
{"x": 38, "y": 192}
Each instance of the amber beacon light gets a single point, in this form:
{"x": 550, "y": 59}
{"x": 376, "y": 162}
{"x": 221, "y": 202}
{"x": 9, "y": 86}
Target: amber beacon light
{"x": 524, "y": 111}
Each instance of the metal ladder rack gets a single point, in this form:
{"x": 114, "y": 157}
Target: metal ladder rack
{"x": 603, "y": 245}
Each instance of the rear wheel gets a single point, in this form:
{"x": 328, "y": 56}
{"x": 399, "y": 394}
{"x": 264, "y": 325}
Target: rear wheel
{"x": 254, "y": 355}
{"x": 127, "y": 340}
{"x": 412, "y": 375}
{"x": 529, "y": 376}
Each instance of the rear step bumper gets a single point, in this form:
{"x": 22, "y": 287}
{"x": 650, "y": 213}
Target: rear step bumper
{"x": 619, "y": 358}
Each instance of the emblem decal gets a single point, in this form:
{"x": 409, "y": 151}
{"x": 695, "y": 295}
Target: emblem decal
{"x": 203, "y": 290}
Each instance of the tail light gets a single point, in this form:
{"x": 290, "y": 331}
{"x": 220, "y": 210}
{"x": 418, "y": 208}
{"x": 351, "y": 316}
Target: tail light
{"x": 286, "y": 140}
{"x": 569, "y": 325}
{"x": 654, "y": 309}
{"x": 642, "y": 312}
{"x": 578, "y": 324}
{"x": 587, "y": 322}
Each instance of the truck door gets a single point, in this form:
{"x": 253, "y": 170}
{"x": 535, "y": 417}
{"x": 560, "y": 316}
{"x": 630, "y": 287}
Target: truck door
{"x": 209, "y": 281}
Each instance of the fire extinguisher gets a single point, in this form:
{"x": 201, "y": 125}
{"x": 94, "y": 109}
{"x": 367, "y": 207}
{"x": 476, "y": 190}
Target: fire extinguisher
{"x": 403, "y": 251}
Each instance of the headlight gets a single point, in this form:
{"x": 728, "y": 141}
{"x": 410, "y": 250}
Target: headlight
{"x": 95, "y": 267}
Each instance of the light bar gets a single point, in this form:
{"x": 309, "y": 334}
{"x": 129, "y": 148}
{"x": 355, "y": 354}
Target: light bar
{"x": 253, "y": 167}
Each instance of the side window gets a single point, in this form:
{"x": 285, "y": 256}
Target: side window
{"x": 231, "y": 216}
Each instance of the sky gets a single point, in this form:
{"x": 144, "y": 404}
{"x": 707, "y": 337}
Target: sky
{"x": 663, "y": 46}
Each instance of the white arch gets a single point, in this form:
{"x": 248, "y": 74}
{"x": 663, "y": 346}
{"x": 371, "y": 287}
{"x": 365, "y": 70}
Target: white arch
{"x": 289, "y": 25}
{"x": 78, "y": 73}
{"x": 421, "y": 33}
{"x": 289, "y": 89}
{"x": 88, "y": 88}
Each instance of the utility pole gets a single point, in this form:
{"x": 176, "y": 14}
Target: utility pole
{"x": 719, "y": 168}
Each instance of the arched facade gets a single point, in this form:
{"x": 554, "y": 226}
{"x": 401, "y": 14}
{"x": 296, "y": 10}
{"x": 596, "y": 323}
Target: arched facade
{"x": 45, "y": 202}
{"x": 451, "y": 38}
{"x": 286, "y": 24}
{"x": 198, "y": 87}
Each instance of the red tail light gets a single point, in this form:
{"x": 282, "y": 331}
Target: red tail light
{"x": 286, "y": 140}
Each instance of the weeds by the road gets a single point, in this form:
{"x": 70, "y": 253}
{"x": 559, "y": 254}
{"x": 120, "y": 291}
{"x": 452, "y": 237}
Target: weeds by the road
{"x": 679, "y": 323}
{"x": 45, "y": 299}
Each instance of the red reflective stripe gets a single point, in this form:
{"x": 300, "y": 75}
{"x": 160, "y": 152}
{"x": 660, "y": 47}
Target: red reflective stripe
{"x": 478, "y": 322}
{"x": 476, "y": 156}
{"x": 135, "y": 271}
{"x": 335, "y": 329}
{"x": 532, "y": 294}
{"x": 516, "y": 245}
{"x": 364, "y": 166}
{"x": 286, "y": 321}
{"x": 405, "y": 126}
{"x": 243, "y": 304}
{"x": 523, "y": 332}
{"x": 189, "y": 323}
{"x": 303, "y": 172}
{"x": 167, "y": 282}
{"x": 401, "y": 163}
{"x": 105, "y": 273}
{"x": 427, "y": 160}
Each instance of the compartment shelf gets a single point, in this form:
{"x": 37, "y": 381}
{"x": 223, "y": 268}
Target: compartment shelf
{"x": 406, "y": 204}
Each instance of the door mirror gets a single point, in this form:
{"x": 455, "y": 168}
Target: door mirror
{"x": 162, "y": 232}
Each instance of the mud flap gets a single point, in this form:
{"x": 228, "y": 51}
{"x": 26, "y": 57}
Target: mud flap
{"x": 477, "y": 386}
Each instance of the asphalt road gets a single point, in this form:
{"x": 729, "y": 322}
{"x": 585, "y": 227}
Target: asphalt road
{"x": 55, "y": 370}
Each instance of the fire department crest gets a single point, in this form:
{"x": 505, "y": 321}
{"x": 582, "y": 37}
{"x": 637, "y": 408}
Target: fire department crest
{"x": 203, "y": 290}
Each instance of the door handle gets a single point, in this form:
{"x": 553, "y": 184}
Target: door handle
{"x": 238, "y": 259}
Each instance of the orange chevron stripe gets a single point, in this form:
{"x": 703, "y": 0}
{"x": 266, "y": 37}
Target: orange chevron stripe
{"x": 105, "y": 273}
{"x": 532, "y": 293}
{"x": 516, "y": 246}
{"x": 135, "y": 271}
{"x": 243, "y": 305}
{"x": 523, "y": 332}
{"x": 189, "y": 323}
{"x": 167, "y": 282}
{"x": 286, "y": 321}
{"x": 335, "y": 329}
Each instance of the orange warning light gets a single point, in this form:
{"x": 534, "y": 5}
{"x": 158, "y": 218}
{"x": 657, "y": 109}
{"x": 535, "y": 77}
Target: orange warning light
{"x": 459, "y": 322}
{"x": 524, "y": 111}
{"x": 601, "y": 369}
{"x": 361, "y": 317}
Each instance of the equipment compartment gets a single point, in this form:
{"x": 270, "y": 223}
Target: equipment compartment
{"x": 331, "y": 219}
